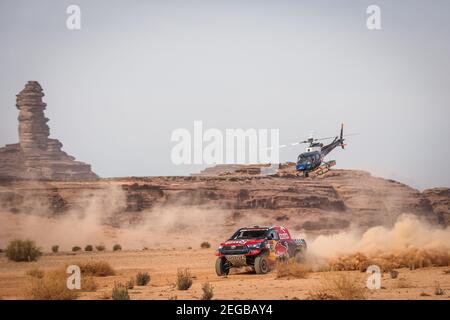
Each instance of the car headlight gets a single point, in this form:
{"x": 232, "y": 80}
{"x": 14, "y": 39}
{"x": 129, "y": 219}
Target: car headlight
{"x": 254, "y": 246}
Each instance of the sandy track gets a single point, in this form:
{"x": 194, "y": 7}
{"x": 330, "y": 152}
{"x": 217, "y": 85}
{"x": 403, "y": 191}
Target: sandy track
{"x": 163, "y": 264}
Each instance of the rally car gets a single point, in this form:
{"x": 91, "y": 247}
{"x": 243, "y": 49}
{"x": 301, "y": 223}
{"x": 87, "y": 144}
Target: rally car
{"x": 258, "y": 247}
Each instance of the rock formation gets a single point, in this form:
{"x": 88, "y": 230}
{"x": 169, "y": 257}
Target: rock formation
{"x": 36, "y": 156}
{"x": 326, "y": 204}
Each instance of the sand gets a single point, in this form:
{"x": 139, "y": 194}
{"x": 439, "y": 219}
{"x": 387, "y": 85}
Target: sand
{"x": 162, "y": 265}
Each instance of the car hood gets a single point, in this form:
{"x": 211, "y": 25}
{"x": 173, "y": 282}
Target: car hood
{"x": 241, "y": 242}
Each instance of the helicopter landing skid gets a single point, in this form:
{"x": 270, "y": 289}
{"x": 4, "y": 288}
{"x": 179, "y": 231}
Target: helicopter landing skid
{"x": 323, "y": 168}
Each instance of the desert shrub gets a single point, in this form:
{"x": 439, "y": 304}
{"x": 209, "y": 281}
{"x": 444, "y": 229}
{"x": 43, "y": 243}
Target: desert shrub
{"x": 22, "y": 250}
{"x": 447, "y": 271}
{"x": 117, "y": 247}
{"x": 292, "y": 269}
{"x": 205, "y": 245}
{"x": 100, "y": 247}
{"x": 338, "y": 287}
{"x": 89, "y": 248}
{"x": 52, "y": 286}
{"x": 76, "y": 249}
{"x": 423, "y": 294}
{"x": 130, "y": 284}
{"x": 184, "y": 279}
{"x": 438, "y": 290}
{"x": 142, "y": 279}
{"x": 95, "y": 268}
{"x": 55, "y": 249}
{"x": 208, "y": 291}
{"x": 393, "y": 274}
{"x": 120, "y": 292}
{"x": 35, "y": 273}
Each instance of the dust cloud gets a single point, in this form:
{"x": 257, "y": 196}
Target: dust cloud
{"x": 408, "y": 232}
{"x": 101, "y": 219}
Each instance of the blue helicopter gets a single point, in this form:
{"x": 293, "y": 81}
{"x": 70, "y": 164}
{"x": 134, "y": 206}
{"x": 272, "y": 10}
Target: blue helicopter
{"x": 312, "y": 161}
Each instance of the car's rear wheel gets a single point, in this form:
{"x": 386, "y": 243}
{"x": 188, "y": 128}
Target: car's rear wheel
{"x": 221, "y": 267}
{"x": 300, "y": 256}
{"x": 261, "y": 264}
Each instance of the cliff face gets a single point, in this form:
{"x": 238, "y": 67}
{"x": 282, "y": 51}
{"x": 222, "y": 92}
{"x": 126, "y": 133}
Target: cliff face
{"x": 324, "y": 204}
{"x": 36, "y": 156}
{"x": 440, "y": 201}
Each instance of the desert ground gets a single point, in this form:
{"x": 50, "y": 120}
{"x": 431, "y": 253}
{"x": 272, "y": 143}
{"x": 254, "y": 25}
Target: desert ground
{"x": 162, "y": 265}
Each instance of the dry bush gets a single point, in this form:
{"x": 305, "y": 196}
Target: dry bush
{"x": 100, "y": 247}
{"x": 205, "y": 245}
{"x": 53, "y": 286}
{"x": 447, "y": 271}
{"x": 208, "y": 291}
{"x": 184, "y": 279}
{"x": 120, "y": 292}
{"x": 142, "y": 279}
{"x": 339, "y": 287}
{"x": 438, "y": 290}
{"x": 22, "y": 250}
{"x": 393, "y": 274}
{"x": 95, "y": 268}
{"x": 76, "y": 249}
{"x": 117, "y": 247}
{"x": 35, "y": 273}
{"x": 130, "y": 284}
{"x": 89, "y": 248}
{"x": 423, "y": 294}
{"x": 55, "y": 248}
{"x": 292, "y": 270}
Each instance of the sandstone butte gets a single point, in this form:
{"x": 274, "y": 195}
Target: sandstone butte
{"x": 36, "y": 156}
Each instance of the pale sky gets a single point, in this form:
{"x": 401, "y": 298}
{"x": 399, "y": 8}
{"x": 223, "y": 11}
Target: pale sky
{"x": 137, "y": 70}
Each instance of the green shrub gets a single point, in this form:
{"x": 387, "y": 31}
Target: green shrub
{"x": 184, "y": 279}
{"x": 100, "y": 247}
{"x": 208, "y": 292}
{"x": 22, "y": 250}
{"x": 76, "y": 248}
{"x": 55, "y": 249}
{"x": 89, "y": 248}
{"x": 142, "y": 278}
{"x": 120, "y": 292}
{"x": 117, "y": 247}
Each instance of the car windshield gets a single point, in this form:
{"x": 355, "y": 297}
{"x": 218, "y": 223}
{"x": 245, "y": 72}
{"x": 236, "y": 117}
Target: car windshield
{"x": 249, "y": 234}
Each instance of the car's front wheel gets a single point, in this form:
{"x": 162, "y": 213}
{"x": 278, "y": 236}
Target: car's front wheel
{"x": 261, "y": 264}
{"x": 221, "y": 268}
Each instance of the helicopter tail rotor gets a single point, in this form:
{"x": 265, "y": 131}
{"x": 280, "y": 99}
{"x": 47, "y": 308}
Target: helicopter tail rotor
{"x": 342, "y": 136}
